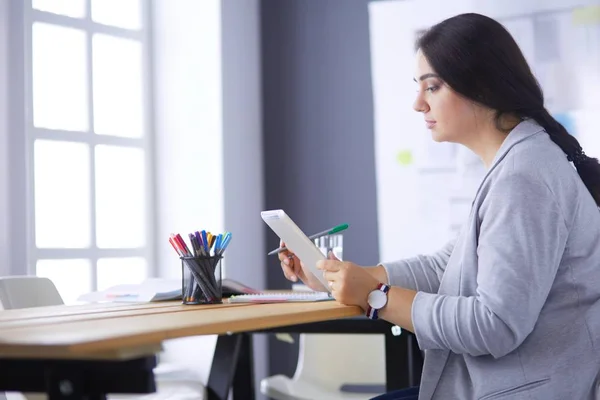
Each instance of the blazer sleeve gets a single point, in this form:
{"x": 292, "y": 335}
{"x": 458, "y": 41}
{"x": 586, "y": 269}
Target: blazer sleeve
{"x": 422, "y": 273}
{"x": 522, "y": 238}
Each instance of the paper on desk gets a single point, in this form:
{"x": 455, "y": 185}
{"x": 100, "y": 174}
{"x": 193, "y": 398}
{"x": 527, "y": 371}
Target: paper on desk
{"x": 157, "y": 289}
{"x": 147, "y": 291}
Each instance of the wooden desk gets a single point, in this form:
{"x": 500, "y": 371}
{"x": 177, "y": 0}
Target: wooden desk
{"x": 118, "y": 332}
{"x": 92, "y": 346}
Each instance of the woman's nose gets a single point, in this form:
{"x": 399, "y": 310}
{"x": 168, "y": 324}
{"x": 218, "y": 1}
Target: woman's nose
{"x": 420, "y": 105}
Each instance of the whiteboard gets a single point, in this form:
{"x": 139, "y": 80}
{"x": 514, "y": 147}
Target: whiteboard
{"x": 424, "y": 188}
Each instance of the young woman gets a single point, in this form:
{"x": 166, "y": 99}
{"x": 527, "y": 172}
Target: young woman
{"x": 510, "y": 309}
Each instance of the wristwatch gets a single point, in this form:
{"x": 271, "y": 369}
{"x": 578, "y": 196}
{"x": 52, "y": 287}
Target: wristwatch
{"x": 377, "y": 300}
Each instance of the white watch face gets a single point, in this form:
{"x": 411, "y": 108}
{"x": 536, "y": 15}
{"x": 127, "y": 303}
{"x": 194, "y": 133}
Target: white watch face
{"x": 377, "y": 299}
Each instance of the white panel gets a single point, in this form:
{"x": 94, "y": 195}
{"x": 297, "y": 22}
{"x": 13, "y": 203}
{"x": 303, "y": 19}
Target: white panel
{"x": 189, "y": 131}
{"x": 120, "y": 197}
{"x": 62, "y": 194}
{"x": 117, "y": 81}
{"x": 188, "y": 89}
{"x": 72, "y": 278}
{"x": 59, "y": 77}
{"x": 120, "y": 13}
{"x": 70, "y": 8}
{"x": 120, "y": 271}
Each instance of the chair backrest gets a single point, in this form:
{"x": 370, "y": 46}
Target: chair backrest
{"x": 331, "y": 360}
{"x": 28, "y": 291}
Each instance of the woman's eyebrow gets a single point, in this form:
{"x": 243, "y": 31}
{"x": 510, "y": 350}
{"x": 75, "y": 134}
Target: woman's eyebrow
{"x": 425, "y": 76}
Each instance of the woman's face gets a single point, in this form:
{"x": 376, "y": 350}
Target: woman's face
{"x": 449, "y": 116}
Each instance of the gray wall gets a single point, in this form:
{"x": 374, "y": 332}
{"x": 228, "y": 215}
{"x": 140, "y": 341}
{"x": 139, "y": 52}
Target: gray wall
{"x": 318, "y": 129}
{"x": 243, "y": 152}
{"x": 4, "y": 153}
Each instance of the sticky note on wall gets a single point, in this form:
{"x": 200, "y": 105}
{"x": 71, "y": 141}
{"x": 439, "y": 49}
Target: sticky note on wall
{"x": 404, "y": 157}
{"x": 586, "y": 15}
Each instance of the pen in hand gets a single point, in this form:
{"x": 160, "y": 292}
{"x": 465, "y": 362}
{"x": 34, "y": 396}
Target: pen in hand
{"x": 331, "y": 231}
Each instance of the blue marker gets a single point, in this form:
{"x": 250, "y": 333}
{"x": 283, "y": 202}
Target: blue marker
{"x": 218, "y": 243}
{"x": 225, "y": 242}
{"x": 205, "y": 242}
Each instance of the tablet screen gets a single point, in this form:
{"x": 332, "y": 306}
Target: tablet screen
{"x": 298, "y": 243}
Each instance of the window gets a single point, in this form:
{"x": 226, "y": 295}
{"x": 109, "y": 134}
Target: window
{"x": 88, "y": 143}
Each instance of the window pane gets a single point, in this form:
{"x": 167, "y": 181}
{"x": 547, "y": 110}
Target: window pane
{"x": 62, "y": 194}
{"x": 122, "y": 13}
{"x": 70, "y": 8}
{"x": 72, "y": 278}
{"x": 59, "y": 78}
{"x": 120, "y": 271}
{"x": 120, "y": 197}
{"x": 117, "y": 86}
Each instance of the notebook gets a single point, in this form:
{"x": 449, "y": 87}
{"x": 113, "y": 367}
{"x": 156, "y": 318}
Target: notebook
{"x": 280, "y": 297}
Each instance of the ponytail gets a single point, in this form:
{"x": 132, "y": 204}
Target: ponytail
{"x": 479, "y": 59}
{"x": 588, "y": 168}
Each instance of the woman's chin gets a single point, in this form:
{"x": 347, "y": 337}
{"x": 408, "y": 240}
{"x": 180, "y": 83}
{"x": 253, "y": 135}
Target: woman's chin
{"x": 437, "y": 136}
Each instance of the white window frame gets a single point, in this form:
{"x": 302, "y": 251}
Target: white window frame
{"x": 23, "y": 199}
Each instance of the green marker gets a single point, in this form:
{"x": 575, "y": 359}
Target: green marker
{"x": 331, "y": 231}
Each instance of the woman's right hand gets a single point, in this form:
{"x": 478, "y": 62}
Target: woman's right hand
{"x": 293, "y": 269}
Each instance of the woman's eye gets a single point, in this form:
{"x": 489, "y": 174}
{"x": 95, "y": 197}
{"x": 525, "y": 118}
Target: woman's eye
{"x": 432, "y": 89}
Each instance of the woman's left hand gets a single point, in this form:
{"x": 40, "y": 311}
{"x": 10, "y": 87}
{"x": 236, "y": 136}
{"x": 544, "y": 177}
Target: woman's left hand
{"x": 350, "y": 284}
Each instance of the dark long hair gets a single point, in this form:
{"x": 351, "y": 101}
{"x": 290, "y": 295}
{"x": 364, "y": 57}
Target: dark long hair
{"x": 479, "y": 59}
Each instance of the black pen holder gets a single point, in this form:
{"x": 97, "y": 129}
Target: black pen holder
{"x": 201, "y": 280}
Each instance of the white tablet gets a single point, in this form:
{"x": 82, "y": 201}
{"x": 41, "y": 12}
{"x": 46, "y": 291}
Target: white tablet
{"x": 297, "y": 242}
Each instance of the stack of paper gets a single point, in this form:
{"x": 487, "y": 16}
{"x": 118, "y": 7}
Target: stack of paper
{"x": 157, "y": 289}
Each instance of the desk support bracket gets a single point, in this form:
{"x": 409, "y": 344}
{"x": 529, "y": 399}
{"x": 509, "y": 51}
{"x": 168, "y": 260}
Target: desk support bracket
{"x": 232, "y": 362}
{"x": 78, "y": 379}
{"x": 232, "y": 368}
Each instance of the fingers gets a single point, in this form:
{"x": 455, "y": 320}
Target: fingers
{"x": 289, "y": 273}
{"x": 289, "y": 263}
{"x": 288, "y": 269}
{"x": 287, "y": 258}
{"x": 285, "y": 254}
{"x": 330, "y": 276}
{"x": 329, "y": 265}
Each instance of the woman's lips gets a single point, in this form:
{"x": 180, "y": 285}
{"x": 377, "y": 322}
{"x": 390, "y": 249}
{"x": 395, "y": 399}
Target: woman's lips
{"x": 430, "y": 124}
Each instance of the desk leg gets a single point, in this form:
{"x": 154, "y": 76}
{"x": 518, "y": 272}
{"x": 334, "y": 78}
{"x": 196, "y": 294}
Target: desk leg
{"x": 232, "y": 367}
{"x": 396, "y": 361}
{"x": 243, "y": 381}
{"x": 223, "y": 369}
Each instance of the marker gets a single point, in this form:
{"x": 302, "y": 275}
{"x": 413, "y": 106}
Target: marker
{"x": 331, "y": 231}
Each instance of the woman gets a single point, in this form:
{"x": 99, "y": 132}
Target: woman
{"x": 510, "y": 309}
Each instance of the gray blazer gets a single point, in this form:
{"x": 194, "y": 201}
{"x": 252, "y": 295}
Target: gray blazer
{"x": 510, "y": 309}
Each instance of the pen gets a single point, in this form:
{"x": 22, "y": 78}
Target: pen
{"x": 331, "y": 231}
{"x": 195, "y": 245}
